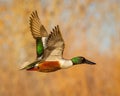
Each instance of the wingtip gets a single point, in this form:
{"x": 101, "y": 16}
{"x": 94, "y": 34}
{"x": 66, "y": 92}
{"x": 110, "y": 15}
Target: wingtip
{"x": 34, "y": 13}
{"x": 23, "y": 66}
{"x": 57, "y": 26}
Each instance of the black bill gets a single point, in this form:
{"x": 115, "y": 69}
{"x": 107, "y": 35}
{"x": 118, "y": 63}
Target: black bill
{"x": 89, "y": 62}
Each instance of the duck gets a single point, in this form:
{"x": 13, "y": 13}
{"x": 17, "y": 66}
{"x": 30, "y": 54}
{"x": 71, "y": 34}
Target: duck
{"x": 49, "y": 49}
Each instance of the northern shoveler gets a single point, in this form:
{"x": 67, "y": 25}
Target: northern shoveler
{"x": 49, "y": 49}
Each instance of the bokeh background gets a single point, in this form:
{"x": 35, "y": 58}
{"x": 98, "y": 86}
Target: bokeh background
{"x": 90, "y": 28}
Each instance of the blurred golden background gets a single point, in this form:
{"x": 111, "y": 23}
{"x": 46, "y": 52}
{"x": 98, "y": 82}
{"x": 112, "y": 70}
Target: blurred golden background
{"x": 90, "y": 28}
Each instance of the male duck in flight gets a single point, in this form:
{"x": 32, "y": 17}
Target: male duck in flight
{"x": 49, "y": 49}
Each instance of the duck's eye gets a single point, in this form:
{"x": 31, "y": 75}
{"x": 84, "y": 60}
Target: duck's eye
{"x": 83, "y": 58}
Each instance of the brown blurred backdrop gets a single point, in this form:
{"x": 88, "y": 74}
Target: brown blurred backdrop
{"x": 90, "y": 28}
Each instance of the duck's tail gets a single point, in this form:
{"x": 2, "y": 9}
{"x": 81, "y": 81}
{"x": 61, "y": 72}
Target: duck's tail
{"x": 28, "y": 66}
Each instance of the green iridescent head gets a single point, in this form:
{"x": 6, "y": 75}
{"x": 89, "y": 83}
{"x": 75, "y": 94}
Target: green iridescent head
{"x": 81, "y": 60}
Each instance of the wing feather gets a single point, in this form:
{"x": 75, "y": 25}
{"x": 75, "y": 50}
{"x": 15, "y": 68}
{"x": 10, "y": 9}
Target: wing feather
{"x": 55, "y": 44}
{"x": 37, "y": 29}
{"x": 38, "y": 32}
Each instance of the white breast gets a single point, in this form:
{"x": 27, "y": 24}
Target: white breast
{"x": 65, "y": 63}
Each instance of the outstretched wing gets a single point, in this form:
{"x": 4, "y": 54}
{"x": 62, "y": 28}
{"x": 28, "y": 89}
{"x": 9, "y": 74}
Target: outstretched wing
{"x": 55, "y": 44}
{"x": 38, "y": 31}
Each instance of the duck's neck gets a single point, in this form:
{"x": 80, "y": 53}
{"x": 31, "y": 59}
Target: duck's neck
{"x": 76, "y": 60}
{"x": 64, "y": 63}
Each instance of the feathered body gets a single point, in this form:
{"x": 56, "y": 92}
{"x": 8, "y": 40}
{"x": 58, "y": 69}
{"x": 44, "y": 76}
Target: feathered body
{"x": 49, "y": 49}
